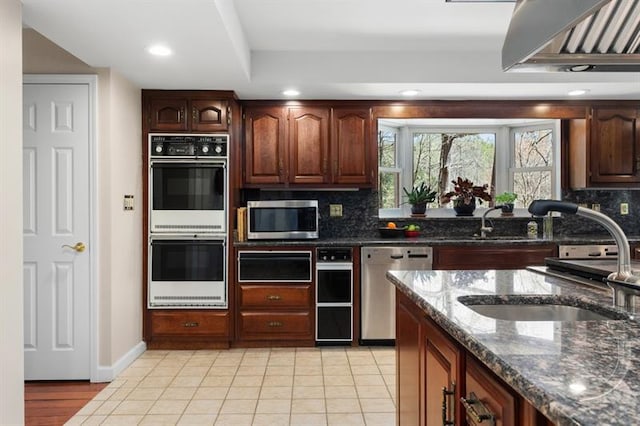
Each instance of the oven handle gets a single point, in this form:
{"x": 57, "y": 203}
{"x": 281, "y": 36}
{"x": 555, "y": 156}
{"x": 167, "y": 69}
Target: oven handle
{"x": 334, "y": 266}
{"x": 271, "y": 256}
{"x": 189, "y": 163}
{"x": 183, "y": 241}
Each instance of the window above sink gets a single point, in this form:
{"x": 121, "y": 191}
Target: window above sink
{"x": 507, "y": 154}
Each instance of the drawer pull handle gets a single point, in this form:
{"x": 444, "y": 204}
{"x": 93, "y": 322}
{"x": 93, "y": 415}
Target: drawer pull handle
{"x": 274, "y": 324}
{"x": 191, "y": 324}
{"x": 479, "y": 415}
{"x": 273, "y": 297}
{"x": 445, "y": 410}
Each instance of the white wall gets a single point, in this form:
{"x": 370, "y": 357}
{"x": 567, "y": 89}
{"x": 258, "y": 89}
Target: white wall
{"x": 120, "y": 230}
{"x": 119, "y": 173}
{"x": 11, "y": 334}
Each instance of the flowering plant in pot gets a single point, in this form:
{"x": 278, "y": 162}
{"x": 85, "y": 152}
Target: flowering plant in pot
{"x": 464, "y": 196}
{"x": 506, "y": 199}
{"x": 418, "y": 197}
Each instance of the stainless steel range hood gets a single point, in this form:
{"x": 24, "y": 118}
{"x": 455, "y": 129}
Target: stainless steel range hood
{"x": 573, "y": 35}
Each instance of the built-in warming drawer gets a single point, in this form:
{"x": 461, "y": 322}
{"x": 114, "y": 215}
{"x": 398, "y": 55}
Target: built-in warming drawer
{"x": 294, "y": 296}
{"x": 271, "y": 325}
{"x": 193, "y": 323}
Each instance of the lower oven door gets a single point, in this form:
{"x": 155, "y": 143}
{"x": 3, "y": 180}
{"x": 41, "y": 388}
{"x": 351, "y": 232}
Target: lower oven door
{"x": 187, "y": 272}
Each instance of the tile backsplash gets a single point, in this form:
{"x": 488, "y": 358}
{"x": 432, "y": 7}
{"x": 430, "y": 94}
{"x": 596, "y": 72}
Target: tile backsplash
{"x": 360, "y": 215}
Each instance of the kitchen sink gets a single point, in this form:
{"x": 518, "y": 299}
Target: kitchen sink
{"x": 516, "y": 308}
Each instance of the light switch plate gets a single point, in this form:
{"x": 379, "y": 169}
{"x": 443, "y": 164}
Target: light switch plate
{"x": 128, "y": 202}
{"x": 335, "y": 210}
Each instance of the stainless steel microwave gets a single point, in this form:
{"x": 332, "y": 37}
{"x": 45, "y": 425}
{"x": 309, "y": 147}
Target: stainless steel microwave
{"x": 282, "y": 219}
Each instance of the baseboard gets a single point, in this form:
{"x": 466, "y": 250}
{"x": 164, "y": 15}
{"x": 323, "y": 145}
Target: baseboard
{"x": 108, "y": 373}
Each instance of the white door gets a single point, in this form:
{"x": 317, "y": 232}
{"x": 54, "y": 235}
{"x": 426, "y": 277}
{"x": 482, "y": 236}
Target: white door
{"x": 57, "y": 340}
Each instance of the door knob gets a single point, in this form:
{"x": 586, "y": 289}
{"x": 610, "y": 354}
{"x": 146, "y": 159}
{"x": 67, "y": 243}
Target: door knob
{"x": 79, "y": 247}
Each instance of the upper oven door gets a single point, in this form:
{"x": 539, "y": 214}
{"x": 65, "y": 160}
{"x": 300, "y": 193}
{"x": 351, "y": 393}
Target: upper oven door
{"x": 188, "y": 196}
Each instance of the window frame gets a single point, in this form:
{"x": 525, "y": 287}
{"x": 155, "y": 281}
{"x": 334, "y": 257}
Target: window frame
{"x": 503, "y": 159}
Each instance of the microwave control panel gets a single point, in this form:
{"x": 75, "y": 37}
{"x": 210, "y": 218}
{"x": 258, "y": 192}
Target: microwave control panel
{"x": 188, "y": 146}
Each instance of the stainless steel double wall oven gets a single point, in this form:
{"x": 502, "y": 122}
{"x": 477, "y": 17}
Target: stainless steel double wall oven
{"x": 188, "y": 204}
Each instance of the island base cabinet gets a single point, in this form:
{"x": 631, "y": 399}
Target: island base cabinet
{"x": 427, "y": 370}
{"x": 436, "y": 378}
{"x": 408, "y": 373}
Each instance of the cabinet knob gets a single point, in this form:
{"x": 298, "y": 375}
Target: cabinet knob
{"x": 479, "y": 415}
{"x": 273, "y": 297}
{"x": 190, "y": 324}
{"x": 194, "y": 114}
{"x": 274, "y": 324}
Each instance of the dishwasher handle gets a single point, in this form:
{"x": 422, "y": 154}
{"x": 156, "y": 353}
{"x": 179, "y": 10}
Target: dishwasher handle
{"x": 397, "y": 256}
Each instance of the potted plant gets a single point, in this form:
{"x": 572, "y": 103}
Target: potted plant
{"x": 506, "y": 199}
{"x": 464, "y": 196}
{"x": 418, "y": 197}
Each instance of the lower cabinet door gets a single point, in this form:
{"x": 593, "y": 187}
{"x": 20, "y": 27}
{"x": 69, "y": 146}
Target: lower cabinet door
{"x": 487, "y": 399}
{"x": 270, "y": 325}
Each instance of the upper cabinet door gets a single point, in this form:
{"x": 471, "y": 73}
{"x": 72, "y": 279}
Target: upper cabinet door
{"x": 615, "y": 146}
{"x": 309, "y": 145}
{"x": 168, "y": 114}
{"x": 209, "y": 115}
{"x": 265, "y": 145}
{"x": 350, "y": 148}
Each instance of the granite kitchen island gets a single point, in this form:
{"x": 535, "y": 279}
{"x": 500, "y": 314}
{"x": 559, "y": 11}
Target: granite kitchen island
{"x": 572, "y": 372}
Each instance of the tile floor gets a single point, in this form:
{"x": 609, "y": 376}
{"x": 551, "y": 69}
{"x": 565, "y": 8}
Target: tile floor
{"x": 281, "y": 386}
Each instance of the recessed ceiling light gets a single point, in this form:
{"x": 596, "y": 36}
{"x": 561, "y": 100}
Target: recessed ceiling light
{"x": 578, "y": 92}
{"x": 411, "y": 92}
{"x": 290, "y": 92}
{"x": 159, "y": 50}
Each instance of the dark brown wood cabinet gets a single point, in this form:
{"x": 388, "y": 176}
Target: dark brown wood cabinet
{"x": 274, "y": 312}
{"x": 486, "y": 395}
{"x": 198, "y": 328}
{"x": 265, "y": 145}
{"x": 434, "y": 373}
{"x": 308, "y": 145}
{"x": 443, "y": 383}
{"x": 353, "y": 157}
{"x": 491, "y": 256}
{"x": 615, "y": 145}
{"x": 604, "y": 149}
{"x": 313, "y": 146}
{"x": 187, "y": 111}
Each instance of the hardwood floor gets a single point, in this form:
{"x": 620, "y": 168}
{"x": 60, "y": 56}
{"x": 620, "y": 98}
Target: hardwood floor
{"x": 53, "y": 403}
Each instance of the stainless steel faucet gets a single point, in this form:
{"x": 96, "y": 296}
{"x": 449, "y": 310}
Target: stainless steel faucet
{"x": 483, "y": 228}
{"x": 624, "y": 284}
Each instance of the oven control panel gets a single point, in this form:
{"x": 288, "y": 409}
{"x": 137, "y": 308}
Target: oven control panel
{"x": 188, "y": 146}
{"x": 334, "y": 254}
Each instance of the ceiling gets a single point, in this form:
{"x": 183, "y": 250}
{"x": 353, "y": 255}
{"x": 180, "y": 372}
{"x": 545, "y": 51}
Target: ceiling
{"x": 327, "y": 49}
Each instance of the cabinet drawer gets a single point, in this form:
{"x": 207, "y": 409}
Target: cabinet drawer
{"x": 490, "y": 394}
{"x": 286, "y": 326}
{"x": 190, "y": 323}
{"x": 273, "y": 296}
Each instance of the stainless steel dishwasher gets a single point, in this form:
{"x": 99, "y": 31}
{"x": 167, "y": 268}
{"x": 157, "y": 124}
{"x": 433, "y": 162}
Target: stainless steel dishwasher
{"x": 377, "y": 294}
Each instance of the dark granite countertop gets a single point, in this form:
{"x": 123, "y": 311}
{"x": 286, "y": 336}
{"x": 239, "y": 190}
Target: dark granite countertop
{"x": 430, "y": 241}
{"x": 576, "y": 373}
